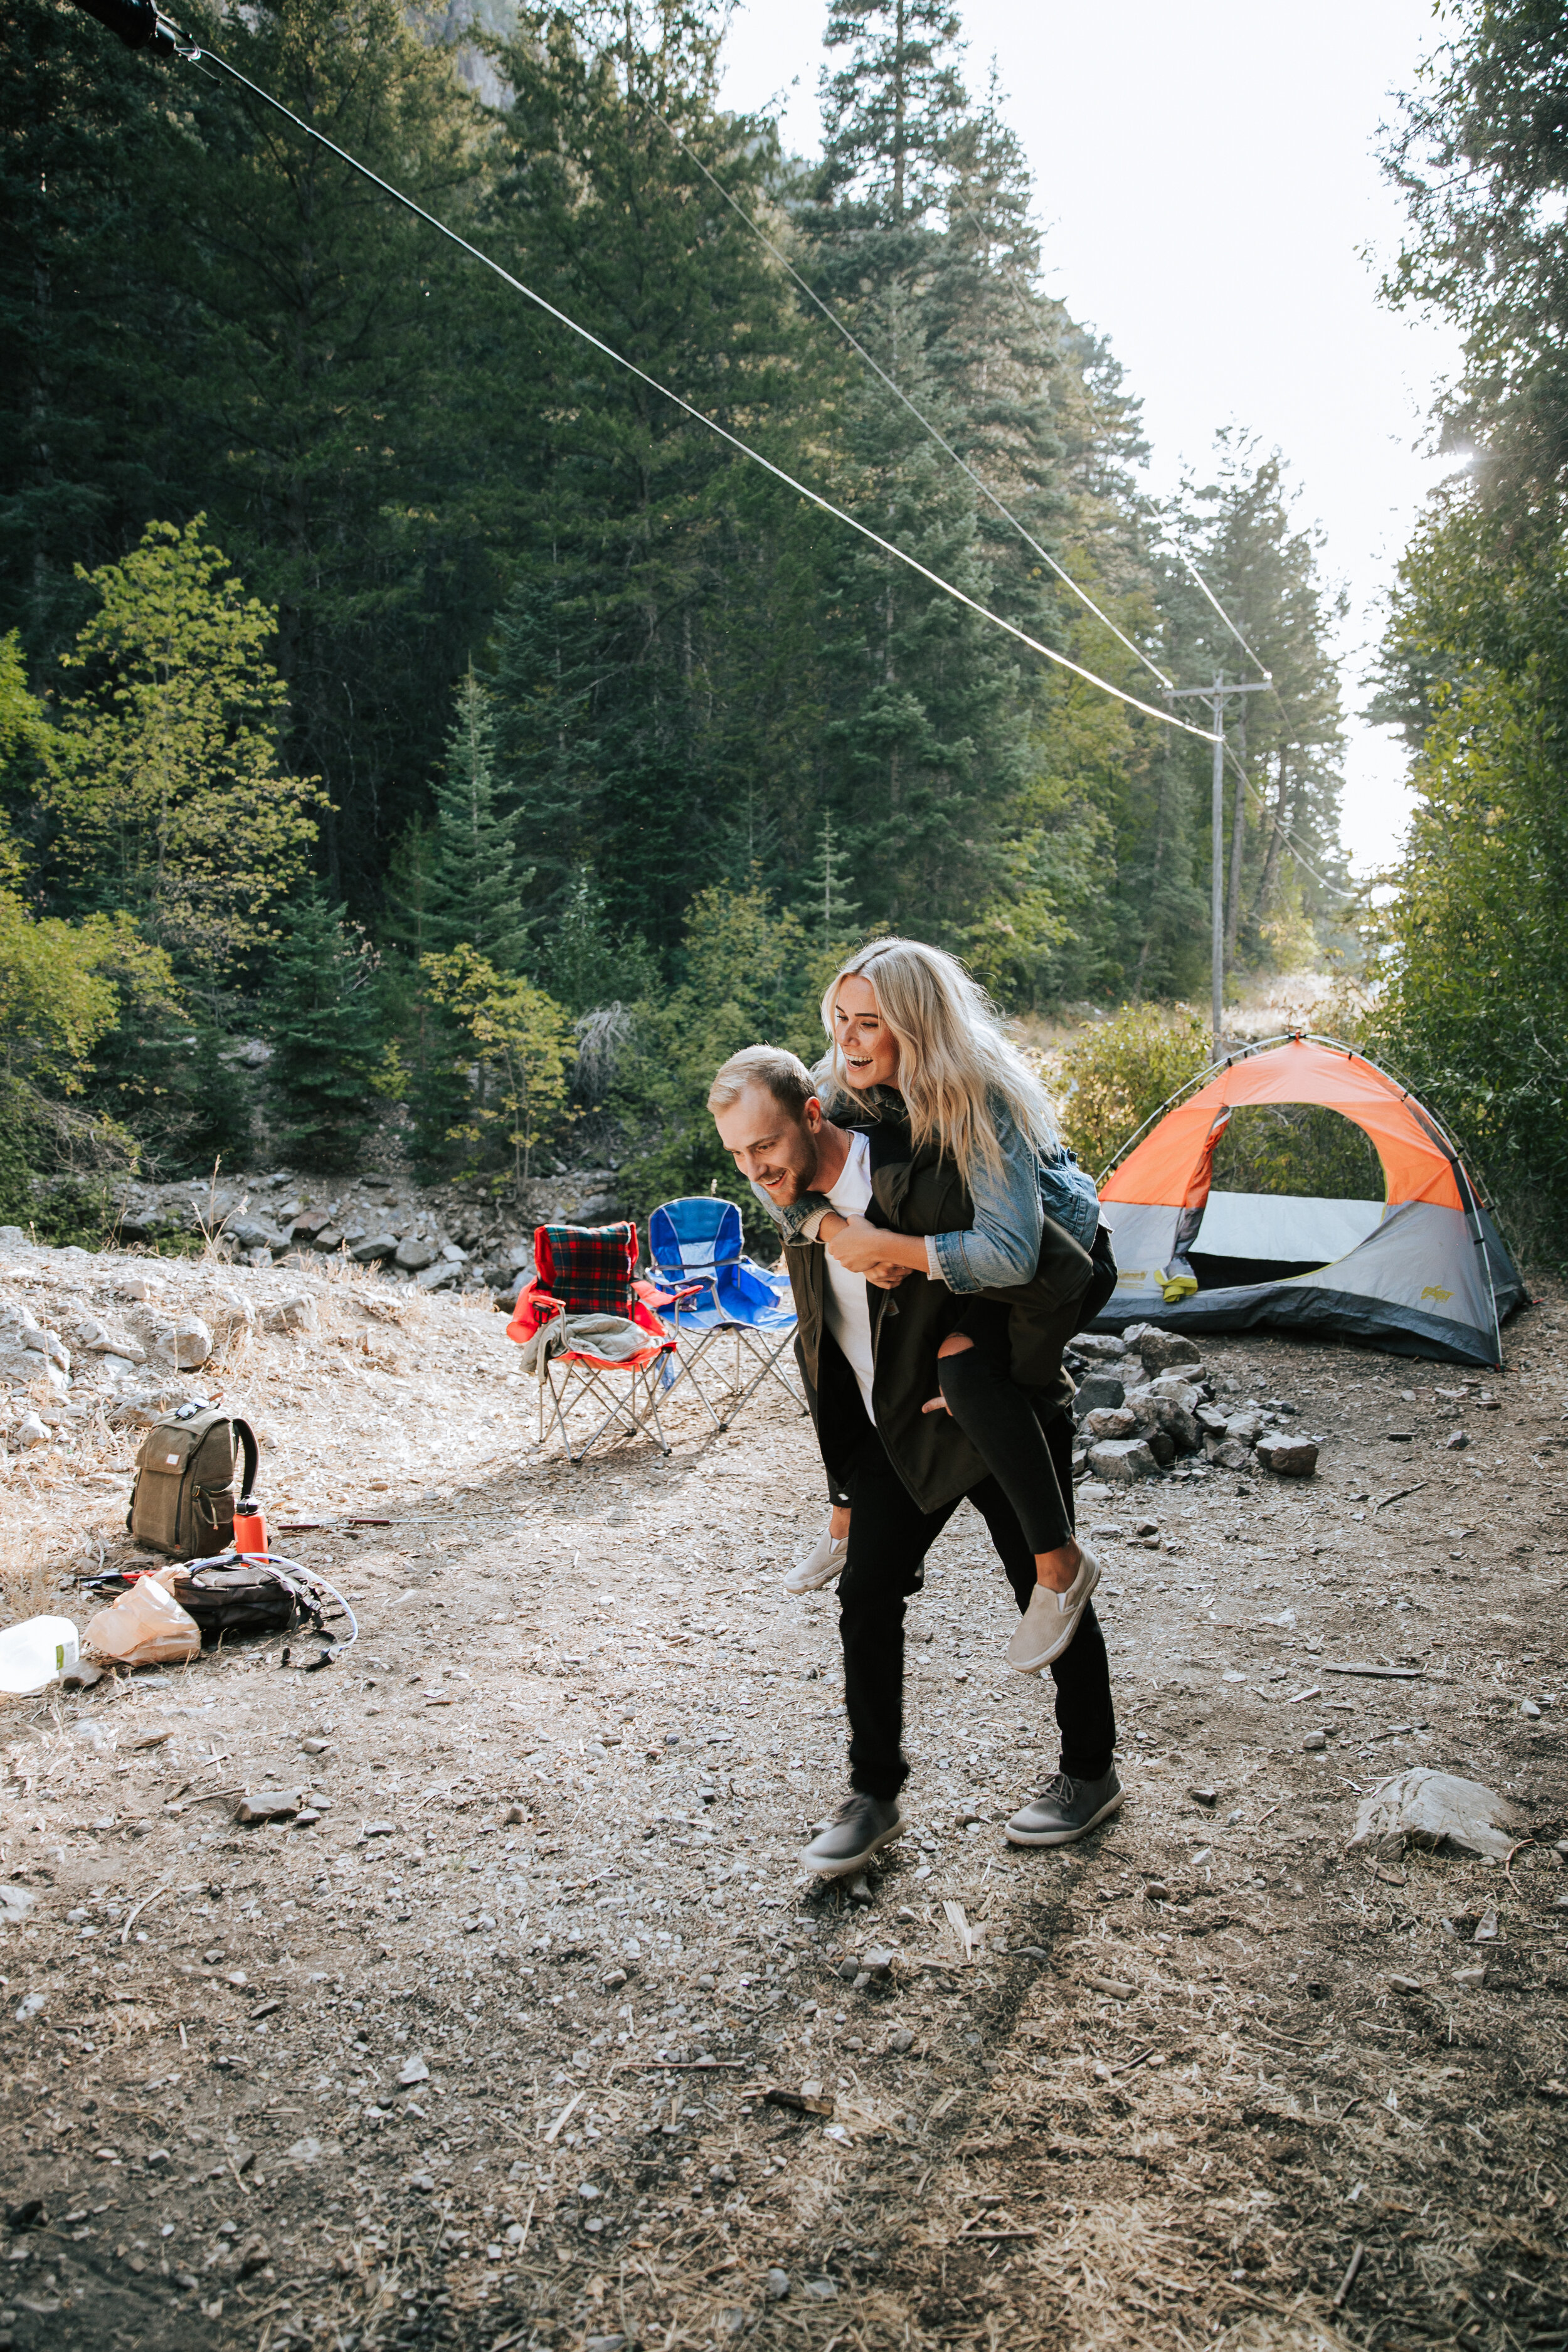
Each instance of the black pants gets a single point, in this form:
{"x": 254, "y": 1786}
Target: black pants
{"x": 889, "y": 1536}
{"x": 999, "y": 1422}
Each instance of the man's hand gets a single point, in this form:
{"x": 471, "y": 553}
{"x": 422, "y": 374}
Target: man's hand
{"x": 886, "y": 1277}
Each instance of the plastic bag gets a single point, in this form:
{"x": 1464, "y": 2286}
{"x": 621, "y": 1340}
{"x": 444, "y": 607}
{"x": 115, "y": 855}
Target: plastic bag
{"x": 146, "y": 1627}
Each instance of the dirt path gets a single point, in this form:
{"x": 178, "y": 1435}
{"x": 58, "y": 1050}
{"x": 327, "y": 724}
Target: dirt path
{"x": 481, "y": 2058}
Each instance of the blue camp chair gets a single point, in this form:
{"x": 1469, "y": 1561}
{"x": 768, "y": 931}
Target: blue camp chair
{"x": 698, "y": 1242}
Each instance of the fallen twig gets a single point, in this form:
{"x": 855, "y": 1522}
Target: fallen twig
{"x": 677, "y": 2066}
{"x": 1397, "y": 1496}
{"x": 1349, "y": 2279}
{"x": 145, "y": 1905}
{"x": 575, "y": 2101}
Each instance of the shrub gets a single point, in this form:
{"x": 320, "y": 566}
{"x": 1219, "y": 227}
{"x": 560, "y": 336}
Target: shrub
{"x": 1117, "y": 1075}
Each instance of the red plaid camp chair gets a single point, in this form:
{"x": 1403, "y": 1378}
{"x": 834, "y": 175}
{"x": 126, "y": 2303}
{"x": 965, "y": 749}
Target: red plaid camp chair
{"x": 588, "y": 1270}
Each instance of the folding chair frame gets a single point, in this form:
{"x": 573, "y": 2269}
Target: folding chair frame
{"x": 735, "y": 1396}
{"x": 632, "y": 1416}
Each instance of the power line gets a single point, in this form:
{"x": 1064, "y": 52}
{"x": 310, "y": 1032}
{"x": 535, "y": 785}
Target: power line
{"x": 193, "y": 54}
{"x": 898, "y": 393}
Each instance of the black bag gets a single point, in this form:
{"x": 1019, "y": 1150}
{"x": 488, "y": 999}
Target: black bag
{"x": 236, "y": 1597}
{"x": 182, "y": 1501}
{"x": 1103, "y": 1282}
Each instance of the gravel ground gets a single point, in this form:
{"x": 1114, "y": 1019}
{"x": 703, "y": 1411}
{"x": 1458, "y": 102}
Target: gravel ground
{"x": 483, "y": 2055}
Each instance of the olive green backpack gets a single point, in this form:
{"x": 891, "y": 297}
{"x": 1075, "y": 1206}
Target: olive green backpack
{"x": 184, "y": 1500}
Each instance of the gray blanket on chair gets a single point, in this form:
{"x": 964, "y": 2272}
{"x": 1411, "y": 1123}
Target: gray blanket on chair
{"x": 613, "y": 1335}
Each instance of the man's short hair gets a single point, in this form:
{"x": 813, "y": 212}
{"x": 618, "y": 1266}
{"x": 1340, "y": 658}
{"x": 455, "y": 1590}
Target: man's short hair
{"x": 784, "y": 1073}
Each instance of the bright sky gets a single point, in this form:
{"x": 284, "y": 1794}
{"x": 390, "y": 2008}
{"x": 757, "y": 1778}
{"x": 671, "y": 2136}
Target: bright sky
{"x": 1208, "y": 183}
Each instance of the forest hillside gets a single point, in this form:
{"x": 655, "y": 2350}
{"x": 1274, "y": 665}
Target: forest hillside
{"x": 421, "y": 737}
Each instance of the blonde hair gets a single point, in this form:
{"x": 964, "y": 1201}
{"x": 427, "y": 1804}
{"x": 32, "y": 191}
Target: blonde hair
{"x": 955, "y": 1062}
{"x": 784, "y": 1073}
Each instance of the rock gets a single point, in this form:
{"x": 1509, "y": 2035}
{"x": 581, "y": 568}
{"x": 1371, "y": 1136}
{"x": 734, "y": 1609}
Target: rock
{"x": 1456, "y": 1441}
{"x": 31, "y": 1431}
{"x": 1154, "y": 1412}
{"x": 1247, "y": 1427}
{"x": 250, "y": 1810}
{"x": 329, "y": 1238}
{"x": 1209, "y": 1417}
{"x": 1232, "y": 1455}
{"x": 1110, "y": 1421}
{"x": 414, "y": 1257}
{"x": 1160, "y": 1349}
{"x": 439, "y": 1276}
{"x": 1314, "y": 1742}
{"x": 1529, "y": 1709}
{"x": 1204, "y": 1796}
{"x": 825, "y": 2290}
{"x": 412, "y": 2070}
{"x": 295, "y": 1313}
{"x": 776, "y": 2285}
{"x": 900, "y": 2041}
{"x": 1098, "y": 1347}
{"x": 1161, "y": 1446}
{"x": 16, "y": 1902}
{"x": 252, "y": 1233}
{"x": 1436, "y": 1809}
{"x": 594, "y": 1210}
{"x": 1122, "y": 1459}
{"x": 47, "y": 1344}
{"x": 1288, "y": 1457}
{"x": 314, "y": 1746}
{"x": 1100, "y": 1392}
{"x": 378, "y": 1246}
{"x": 187, "y": 1343}
{"x": 99, "y": 1340}
{"x": 878, "y": 1961}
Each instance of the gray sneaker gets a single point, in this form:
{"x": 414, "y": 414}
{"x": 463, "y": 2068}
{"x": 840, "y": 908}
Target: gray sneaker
{"x": 822, "y": 1563}
{"x": 1066, "y": 1809}
{"x": 1051, "y": 1619}
{"x": 860, "y": 1827}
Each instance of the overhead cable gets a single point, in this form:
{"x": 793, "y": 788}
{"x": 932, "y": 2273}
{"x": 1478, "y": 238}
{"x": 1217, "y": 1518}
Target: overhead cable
{"x": 193, "y": 54}
{"x": 898, "y": 393}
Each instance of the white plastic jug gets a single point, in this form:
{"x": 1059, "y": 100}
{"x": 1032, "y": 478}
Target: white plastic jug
{"x": 36, "y": 1653}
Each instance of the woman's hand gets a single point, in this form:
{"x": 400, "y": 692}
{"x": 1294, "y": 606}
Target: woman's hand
{"x": 858, "y": 1246}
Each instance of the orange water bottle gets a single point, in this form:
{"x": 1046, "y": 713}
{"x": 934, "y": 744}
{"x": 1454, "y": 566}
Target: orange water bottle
{"x": 249, "y": 1528}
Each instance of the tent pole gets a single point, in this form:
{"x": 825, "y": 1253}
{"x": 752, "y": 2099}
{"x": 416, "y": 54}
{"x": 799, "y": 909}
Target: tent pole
{"x": 1217, "y": 877}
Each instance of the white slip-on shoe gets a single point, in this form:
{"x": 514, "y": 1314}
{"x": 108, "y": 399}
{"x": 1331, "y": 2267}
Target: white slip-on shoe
{"x": 1051, "y": 1620}
{"x": 822, "y": 1563}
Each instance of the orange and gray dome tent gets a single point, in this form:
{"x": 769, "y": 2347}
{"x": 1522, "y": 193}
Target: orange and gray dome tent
{"x": 1422, "y": 1272}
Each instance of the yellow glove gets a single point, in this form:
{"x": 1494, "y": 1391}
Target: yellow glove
{"x": 1174, "y": 1287}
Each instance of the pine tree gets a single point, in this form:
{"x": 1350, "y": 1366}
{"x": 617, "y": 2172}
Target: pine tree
{"x": 474, "y": 894}
{"x": 329, "y": 1061}
{"x": 839, "y": 913}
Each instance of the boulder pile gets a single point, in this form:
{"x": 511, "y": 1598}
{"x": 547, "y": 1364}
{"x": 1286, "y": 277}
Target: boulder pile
{"x": 1145, "y": 1401}
{"x": 437, "y": 1237}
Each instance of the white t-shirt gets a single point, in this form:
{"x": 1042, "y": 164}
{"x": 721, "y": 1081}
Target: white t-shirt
{"x": 849, "y": 1310}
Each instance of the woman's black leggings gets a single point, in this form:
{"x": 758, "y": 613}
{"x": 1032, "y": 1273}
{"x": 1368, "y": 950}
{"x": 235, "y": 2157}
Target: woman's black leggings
{"x": 999, "y": 1420}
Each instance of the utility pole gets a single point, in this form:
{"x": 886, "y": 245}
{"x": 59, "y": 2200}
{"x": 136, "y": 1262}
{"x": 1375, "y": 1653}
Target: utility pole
{"x": 1215, "y": 696}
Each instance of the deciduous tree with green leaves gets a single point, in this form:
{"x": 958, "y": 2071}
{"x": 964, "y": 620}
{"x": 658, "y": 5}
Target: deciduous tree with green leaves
{"x": 171, "y": 798}
{"x": 518, "y": 1046}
